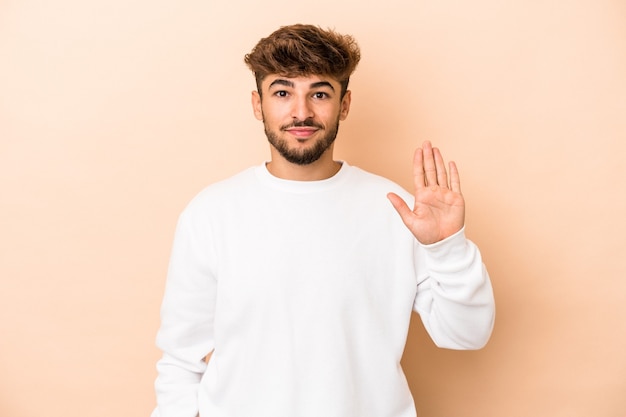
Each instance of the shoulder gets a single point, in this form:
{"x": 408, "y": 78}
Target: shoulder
{"x": 213, "y": 196}
{"x": 371, "y": 182}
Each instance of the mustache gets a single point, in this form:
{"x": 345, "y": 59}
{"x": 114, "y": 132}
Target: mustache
{"x": 302, "y": 123}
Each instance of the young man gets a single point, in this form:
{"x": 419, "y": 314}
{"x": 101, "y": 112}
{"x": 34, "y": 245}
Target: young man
{"x": 298, "y": 278}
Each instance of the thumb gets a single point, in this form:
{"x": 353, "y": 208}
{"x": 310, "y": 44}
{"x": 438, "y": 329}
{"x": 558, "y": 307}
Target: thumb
{"x": 401, "y": 207}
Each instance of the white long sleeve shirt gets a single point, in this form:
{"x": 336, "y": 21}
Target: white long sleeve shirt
{"x": 303, "y": 291}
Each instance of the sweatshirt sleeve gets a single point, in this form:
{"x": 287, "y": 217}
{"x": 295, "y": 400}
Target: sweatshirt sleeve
{"x": 454, "y": 298}
{"x": 186, "y": 332}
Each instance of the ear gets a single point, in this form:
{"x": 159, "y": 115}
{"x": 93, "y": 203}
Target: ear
{"x": 256, "y": 105}
{"x": 345, "y": 105}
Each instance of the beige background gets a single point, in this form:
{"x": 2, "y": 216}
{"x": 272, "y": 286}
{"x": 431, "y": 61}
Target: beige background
{"x": 114, "y": 113}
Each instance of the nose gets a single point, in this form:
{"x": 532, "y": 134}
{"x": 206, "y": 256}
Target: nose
{"x": 302, "y": 109}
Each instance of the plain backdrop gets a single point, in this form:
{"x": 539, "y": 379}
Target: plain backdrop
{"x": 115, "y": 113}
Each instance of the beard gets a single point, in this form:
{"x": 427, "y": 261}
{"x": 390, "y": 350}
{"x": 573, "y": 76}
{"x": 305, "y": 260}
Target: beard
{"x": 302, "y": 156}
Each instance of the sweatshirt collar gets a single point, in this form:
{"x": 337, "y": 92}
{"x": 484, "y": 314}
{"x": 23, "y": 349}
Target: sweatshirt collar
{"x": 302, "y": 187}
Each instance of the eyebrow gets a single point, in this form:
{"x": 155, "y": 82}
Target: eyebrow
{"x": 287, "y": 83}
{"x": 322, "y": 84}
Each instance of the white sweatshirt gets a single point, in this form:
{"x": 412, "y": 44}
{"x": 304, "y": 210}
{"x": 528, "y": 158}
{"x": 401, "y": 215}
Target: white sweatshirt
{"x": 303, "y": 291}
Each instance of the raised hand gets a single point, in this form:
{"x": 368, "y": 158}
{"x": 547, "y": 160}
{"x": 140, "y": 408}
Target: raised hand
{"x": 439, "y": 209}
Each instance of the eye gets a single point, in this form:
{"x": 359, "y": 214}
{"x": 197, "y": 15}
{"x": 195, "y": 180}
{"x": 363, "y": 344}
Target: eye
{"x": 321, "y": 95}
{"x": 281, "y": 93}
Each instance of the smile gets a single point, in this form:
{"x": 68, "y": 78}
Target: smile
{"x": 302, "y": 132}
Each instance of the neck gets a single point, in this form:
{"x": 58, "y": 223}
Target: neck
{"x": 322, "y": 169}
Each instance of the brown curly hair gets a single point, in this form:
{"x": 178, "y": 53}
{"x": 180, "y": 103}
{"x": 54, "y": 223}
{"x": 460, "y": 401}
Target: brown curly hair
{"x": 303, "y": 50}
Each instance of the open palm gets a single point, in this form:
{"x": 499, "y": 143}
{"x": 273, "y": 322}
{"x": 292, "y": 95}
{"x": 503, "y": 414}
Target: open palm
{"x": 439, "y": 209}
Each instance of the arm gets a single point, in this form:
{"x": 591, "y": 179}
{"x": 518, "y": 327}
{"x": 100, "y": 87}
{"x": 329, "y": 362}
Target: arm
{"x": 186, "y": 332}
{"x": 455, "y": 298}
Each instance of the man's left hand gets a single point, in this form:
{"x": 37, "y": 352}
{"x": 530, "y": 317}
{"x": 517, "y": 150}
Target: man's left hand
{"x": 439, "y": 209}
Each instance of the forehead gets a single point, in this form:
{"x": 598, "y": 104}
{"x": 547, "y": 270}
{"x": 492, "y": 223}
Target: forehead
{"x": 300, "y": 82}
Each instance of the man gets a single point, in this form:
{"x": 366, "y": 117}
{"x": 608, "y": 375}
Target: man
{"x": 291, "y": 284}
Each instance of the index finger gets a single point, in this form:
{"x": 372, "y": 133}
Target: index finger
{"x": 429, "y": 164}
{"x": 419, "y": 178}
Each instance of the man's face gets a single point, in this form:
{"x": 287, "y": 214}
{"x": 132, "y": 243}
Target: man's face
{"x": 301, "y": 115}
